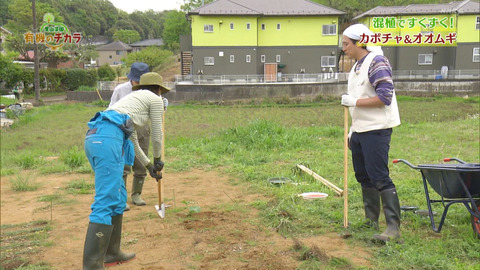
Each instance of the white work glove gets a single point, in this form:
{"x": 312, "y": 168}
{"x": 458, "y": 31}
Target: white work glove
{"x": 165, "y": 103}
{"x": 349, "y": 137}
{"x": 349, "y": 101}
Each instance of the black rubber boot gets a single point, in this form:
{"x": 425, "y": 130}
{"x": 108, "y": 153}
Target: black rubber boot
{"x": 137, "y": 186}
{"x": 96, "y": 243}
{"x": 391, "y": 209}
{"x": 125, "y": 176}
{"x": 114, "y": 255}
{"x": 371, "y": 202}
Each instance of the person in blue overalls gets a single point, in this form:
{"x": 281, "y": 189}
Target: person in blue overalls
{"x": 110, "y": 143}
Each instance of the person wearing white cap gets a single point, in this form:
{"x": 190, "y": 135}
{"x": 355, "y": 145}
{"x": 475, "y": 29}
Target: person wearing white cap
{"x": 373, "y": 108}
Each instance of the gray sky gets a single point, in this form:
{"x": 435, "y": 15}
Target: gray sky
{"x": 143, "y": 5}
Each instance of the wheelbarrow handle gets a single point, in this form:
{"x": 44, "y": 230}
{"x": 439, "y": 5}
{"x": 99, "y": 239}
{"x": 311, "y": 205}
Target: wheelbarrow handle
{"x": 406, "y": 162}
{"x": 456, "y": 159}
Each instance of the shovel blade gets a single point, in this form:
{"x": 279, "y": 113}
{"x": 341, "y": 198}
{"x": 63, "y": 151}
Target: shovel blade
{"x": 160, "y": 210}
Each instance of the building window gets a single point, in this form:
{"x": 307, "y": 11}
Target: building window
{"x": 248, "y": 26}
{"x": 248, "y": 58}
{"x": 328, "y": 61}
{"x": 110, "y": 57}
{"x": 277, "y": 58}
{"x": 425, "y": 59}
{"x": 118, "y": 52}
{"x": 262, "y": 58}
{"x": 232, "y": 58}
{"x": 329, "y": 29}
{"x": 476, "y": 54}
{"x": 209, "y": 61}
{"x": 208, "y": 28}
{"x": 263, "y": 26}
{"x": 220, "y": 53}
{"x": 231, "y": 26}
{"x": 278, "y": 26}
{"x": 477, "y": 26}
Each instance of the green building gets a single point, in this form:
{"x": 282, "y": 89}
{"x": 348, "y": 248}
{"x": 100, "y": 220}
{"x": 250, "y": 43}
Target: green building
{"x": 256, "y": 37}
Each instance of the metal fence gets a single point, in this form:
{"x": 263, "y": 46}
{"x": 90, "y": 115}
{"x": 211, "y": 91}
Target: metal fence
{"x": 260, "y": 79}
{"x": 320, "y": 77}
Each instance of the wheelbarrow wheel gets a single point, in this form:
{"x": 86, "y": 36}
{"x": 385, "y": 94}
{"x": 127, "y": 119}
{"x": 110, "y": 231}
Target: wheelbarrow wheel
{"x": 476, "y": 222}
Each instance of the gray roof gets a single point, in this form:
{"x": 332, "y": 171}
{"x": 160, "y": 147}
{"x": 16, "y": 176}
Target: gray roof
{"x": 464, "y": 7}
{"x": 115, "y": 46}
{"x": 265, "y": 8}
{"x": 148, "y": 42}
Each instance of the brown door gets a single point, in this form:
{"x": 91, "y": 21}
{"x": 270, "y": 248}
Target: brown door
{"x": 270, "y": 72}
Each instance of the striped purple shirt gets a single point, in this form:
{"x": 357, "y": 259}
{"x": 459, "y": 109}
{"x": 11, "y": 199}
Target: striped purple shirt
{"x": 380, "y": 76}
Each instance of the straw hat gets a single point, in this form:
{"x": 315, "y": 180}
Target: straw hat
{"x": 152, "y": 78}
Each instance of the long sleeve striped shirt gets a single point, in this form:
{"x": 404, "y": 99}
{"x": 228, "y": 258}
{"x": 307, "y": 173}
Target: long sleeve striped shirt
{"x": 380, "y": 76}
{"x": 143, "y": 106}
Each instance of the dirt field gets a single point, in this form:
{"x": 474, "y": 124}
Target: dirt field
{"x": 225, "y": 234}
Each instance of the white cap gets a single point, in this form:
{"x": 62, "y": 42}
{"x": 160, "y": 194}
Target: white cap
{"x": 355, "y": 32}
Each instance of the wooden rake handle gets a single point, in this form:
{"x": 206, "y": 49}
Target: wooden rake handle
{"x": 160, "y": 181}
{"x": 345, "y": 167}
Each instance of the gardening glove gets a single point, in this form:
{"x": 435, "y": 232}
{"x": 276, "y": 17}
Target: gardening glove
{"x": 153, "y": 173}
{"x": 349, "y": 101}
{"x": 165, "y": 103}
{"x": 349, "y": 138}
{"x": 158, "y": 164}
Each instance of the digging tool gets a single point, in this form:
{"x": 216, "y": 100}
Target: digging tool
{"x": 345, "y": 167}
{"x": 161, "y": 203}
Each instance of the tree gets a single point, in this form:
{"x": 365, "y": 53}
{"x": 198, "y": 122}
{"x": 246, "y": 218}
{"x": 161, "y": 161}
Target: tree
{"x": 21, "y": 17}
{"x": 127, "y": 36}
{"x": 175, "y": 25}
{"x": 81, "y": 53}
{"x": 152, "y": 56}
{"x": 189, "y": 5}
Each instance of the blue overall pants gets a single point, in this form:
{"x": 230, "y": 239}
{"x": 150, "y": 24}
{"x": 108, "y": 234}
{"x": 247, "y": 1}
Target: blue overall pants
{"x": 108, "y": 149}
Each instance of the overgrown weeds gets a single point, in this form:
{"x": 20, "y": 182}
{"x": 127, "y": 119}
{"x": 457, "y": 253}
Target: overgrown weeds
{"x": 23, "y": 183}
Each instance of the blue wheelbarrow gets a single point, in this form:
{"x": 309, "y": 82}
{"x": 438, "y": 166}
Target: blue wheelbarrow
{"x": 455, "y": 183}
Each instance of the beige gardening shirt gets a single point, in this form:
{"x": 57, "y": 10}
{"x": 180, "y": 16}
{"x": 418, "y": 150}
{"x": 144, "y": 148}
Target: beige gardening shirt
{"x": 142, "y": 106}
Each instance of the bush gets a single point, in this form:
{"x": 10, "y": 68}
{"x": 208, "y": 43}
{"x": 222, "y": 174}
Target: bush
{"x": 76, "y": 77}
{"x": 106, "y": 73}
{"x": 92, "y": 78}
{"x": 10, "y": 73}
{"x": 54, "y": 78}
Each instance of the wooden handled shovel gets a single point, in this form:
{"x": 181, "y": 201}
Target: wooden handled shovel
{"x": 161, "y": 203}
{"x": 345, "y": 168}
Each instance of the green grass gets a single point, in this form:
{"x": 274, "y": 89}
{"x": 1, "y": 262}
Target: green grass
{"x": 261, "y": 139}
{"x": 80, "y": 186}
{"x": 23, "y": 183}
{"x": 20, "y": 241}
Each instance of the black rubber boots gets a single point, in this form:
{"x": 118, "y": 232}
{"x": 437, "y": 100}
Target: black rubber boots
{"x": 391, "y": 209}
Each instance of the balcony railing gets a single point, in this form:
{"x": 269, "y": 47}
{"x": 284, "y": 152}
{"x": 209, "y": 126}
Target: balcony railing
{"x": 429, "y": 75}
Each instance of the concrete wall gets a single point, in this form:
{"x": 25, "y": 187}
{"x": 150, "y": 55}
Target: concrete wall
{"x": 88, "y": 96}
{"x": 232, "y": 92}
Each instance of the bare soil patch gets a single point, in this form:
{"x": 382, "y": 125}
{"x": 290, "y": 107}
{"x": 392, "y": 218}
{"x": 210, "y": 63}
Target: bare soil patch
{"x": 226, "y": 232}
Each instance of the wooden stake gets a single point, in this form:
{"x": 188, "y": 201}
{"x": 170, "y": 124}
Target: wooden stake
{"x": 345, "y": 167}
{"x": 321, "y": 179}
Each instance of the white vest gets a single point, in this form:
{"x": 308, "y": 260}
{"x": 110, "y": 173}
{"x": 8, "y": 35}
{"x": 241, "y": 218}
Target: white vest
{"x": 374, "y": 118}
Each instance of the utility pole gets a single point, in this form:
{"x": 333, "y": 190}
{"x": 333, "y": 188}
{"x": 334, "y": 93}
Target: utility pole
{"x": 35, "y": 57}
